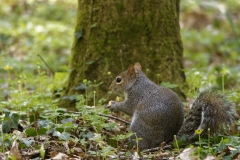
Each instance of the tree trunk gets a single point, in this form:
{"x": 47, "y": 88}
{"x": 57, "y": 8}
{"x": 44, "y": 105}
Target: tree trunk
{"x": 110, "y": 35}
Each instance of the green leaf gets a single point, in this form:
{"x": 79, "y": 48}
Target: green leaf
{"x": 169, "y": 85}
{"x": 10, "y": 122}
{"x": 89, "y": 135}
{"x": 6, "y": 127}
{"x": 45, "y": 123}
{"x": 112, "y": 142}
{"x": 56, "y": 133}
{"x": 129, "y": 134}
{"x": 41, "y": 131}
{"x": 67, "y": 120}
{"x": 67, "y": 125}
{"x": 32, "y": 118}
{"x": 107, "y": 150}
{"x": 59, "y": 129}
{"x": 7, "y": 112}
{"x": 61, "y": 110}
{"x": 65, "y": 136}
{"x": 14, "y": 118}
{"x": 27, "y": 142}
{"x": 42, "y": 151}
{"x": 59, "y": 77}
{"x": 31, "y": 132}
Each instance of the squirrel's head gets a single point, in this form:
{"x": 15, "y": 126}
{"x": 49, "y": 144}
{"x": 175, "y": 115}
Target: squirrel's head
{"x": 125, "y": 79}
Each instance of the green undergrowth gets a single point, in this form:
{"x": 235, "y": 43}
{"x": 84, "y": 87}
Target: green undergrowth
{"x": 30, "y": 90}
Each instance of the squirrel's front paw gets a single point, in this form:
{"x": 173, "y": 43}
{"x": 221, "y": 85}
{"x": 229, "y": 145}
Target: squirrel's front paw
{"x": 110, "y": 105}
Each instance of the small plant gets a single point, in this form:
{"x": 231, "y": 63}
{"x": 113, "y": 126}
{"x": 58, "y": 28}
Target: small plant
{"x": 224, "y": 72}
{"x": 121, "y": 137}
{"x": 199, "y": 132}
{"x": 209, "y": 139}
{"x": 42, "y": 151}
{"x": 176, "y": 142}
{"x": 30, "y": 90}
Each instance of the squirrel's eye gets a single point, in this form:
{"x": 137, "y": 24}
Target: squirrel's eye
{"x": 118, "y": 79}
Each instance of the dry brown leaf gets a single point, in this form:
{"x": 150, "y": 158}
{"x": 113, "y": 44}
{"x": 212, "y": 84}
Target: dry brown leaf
{"x": 17, "y": 133}
{"x": 14, "y": 151}
{"x": 77, "y": 149}
{"x": 2, "y": 156}
{"x": 135, "y": 156}
{"x": 209, "y": 158}
{"x": 53, "y": 153}
{"x": 60, "y": 156}
{"x": 187, "y": 154}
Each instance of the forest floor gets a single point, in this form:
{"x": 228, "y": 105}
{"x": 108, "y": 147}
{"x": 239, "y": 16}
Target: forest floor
{"x": 35, "y": 51}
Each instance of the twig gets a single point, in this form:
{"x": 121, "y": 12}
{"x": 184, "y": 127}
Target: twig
{"x": 116, "y": 118}
{"x": 74, "y": 112}
{"x": 104, "y": 115}
{"x": 162, "y": 147}
{"x": 151, "y": 150}
{"x": 108, "y": 133}
{"x": 31, "y": 154}
{"x": 46, "y": 64}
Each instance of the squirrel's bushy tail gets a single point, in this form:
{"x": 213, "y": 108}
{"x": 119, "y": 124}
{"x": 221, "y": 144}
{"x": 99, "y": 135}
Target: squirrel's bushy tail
{"x": 211, "y": 110}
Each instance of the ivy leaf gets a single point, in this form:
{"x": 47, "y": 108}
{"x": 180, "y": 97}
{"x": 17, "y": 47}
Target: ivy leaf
{"x": 65, "y": 136}
{"x": 61, "y": 110}
{"x": 31, "y": 132}
{"x": 27, "y": 142}
{"x": 14, "y": 118}
{"x": 67, "y": 120}
{"x": 6, "y": 127}
{"x": 60, "y": 129}
{"x": 10, "y": 122}
{"x": 45, "y": 123}
{"x": 56, "y": 133}
{"x": 89, "y": 135}
{"x": 71, "y": 98}
{"x": 41, "y": 131}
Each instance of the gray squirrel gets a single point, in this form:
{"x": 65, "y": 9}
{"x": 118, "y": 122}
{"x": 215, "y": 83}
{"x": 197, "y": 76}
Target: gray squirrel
{"x": 157, "y": 112}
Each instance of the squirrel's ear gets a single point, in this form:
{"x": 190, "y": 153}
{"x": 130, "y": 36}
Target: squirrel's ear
{"x": 131, "y": 69}
{"x": 137, "y": 65}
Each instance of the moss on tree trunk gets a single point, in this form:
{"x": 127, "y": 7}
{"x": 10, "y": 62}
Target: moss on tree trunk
{"x": 110, "y": 35}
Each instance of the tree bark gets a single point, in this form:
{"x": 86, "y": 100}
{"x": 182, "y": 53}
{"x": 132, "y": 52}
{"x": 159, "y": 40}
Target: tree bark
{"x": 110, "y": 35}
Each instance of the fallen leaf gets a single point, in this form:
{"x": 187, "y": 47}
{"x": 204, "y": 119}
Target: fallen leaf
{"x": 187, "y": 154}
{"x": 2, "y": 156}
{"x": 14, "y": 152}
{"x": 60, "y": 156}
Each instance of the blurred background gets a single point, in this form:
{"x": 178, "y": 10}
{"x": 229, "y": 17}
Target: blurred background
{"x": 31, "y": 29}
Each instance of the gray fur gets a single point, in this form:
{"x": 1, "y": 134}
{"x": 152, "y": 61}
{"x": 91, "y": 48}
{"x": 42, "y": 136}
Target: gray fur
{"x": 158, "y": 112}
{"x": 210, "y": 110}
